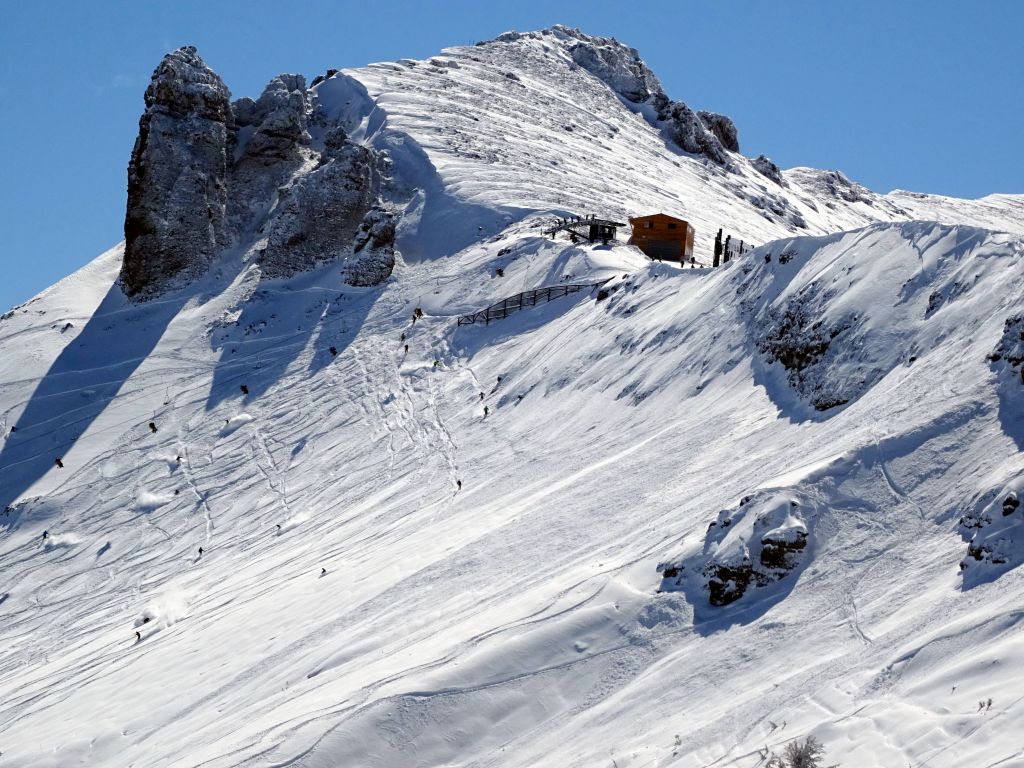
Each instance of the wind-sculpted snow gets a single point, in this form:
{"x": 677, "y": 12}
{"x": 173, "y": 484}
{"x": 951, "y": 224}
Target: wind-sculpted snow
{"x": 822, "y": 324}
{"x": 348, "y": 531}
{"x": 333, "y": 554}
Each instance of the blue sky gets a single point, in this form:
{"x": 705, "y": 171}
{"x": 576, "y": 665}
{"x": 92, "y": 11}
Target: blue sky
{"x": 910, "y": 94}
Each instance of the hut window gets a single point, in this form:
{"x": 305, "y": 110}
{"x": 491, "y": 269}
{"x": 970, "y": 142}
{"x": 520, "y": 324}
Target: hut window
{"x": 671, "y": 225}
{"x": 649, "y": 225}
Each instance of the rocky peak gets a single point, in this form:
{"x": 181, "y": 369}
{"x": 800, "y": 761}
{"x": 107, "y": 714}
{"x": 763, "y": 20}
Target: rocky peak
{"x": 177, "y": 192}
{"x": 183, "y": 85}
{"x": 621, "y": 69}
{"x": 612, "y": 62}
{"x": 279, "y": 118}
{"x": 205, "y": 173}
{"x": 764, "y": 165}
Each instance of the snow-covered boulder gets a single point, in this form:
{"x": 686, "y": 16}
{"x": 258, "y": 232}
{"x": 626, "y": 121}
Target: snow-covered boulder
{"x": 994, "y": 532}
{"x": 756, "y": 543}
{"x": 177, "y": 190}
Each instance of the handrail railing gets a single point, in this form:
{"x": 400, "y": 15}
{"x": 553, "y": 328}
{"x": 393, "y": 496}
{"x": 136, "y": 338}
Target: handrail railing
{"x": 531, "y": 298}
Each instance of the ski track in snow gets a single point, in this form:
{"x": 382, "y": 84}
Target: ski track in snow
{"x": 517, "y": 622}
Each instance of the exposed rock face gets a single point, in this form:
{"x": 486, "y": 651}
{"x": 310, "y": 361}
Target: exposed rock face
{"x": 688, "y": 130}
{"x": 768, "y": 169}
{"x": 756, "y": 544}
{"x": 1009, "y": 352}
{"x": 800, "y": 340}
{"x": 618, "y": 65}
{"x": 833, "y": 184}
{"x": 321, "y": 213}
{"x": 269, "y": 144}
{"x": 177, "y": 191}
{"x": 724, "y": 129}
{"x": 263, "y": 173}
{"x": 374, "y": 246}
{"x": 277, "y": 121}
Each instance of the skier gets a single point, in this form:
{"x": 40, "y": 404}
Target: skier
{"x": 486, "y": 410}
{"x": 323, "y": 571}
{"x": 200, "y": 551}
{"x": 46, "y": 534}
{"x": 59, "y": 463}
{"x": 403, "y": 337}
{"x": 245, "y": 390}
{"x": 152, "y": 427}
{"x": 334, "y": 351}
{"x": 138, "y": 636}
{"x": 407, "y": 349}
{"x": 435, "y": 363}
{"x": 481, "y": 396}
{"x": 459, "y": 483}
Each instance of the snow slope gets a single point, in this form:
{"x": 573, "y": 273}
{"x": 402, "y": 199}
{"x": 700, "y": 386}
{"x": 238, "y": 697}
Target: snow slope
{"x": 352, "y": 606}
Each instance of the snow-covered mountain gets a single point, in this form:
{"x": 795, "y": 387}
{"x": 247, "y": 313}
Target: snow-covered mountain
{"x": 677, "y": 522}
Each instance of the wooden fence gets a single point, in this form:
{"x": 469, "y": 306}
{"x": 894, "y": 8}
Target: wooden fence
{"x": 526, "y": 299}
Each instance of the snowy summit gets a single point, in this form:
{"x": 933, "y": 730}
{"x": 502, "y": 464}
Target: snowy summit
{"x": 363, "y": 449}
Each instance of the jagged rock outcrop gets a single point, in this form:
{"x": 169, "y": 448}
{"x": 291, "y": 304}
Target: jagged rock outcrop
{"x": 320, "y": 214}
{"x": 763, "y": 165}
{"x": 686, "y": 128}
{"x": 758, "y": 543}
{"x": 832, "y": 184}
{"x": 1009, "y": 352}
{"x": 269, "y": 143}
{"x": 618, "y": 65}
{"x": 374, "y": 246}
{"x": 723, "y": 128}
{"x": 276, "y": 122}
{"x": 177, "y": 190}
{"x": 206, "y": 173}
{"x": 994, "y": 535}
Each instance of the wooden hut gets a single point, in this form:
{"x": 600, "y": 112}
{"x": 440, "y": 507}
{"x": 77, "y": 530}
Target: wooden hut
{"x": 663, "y": 237}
